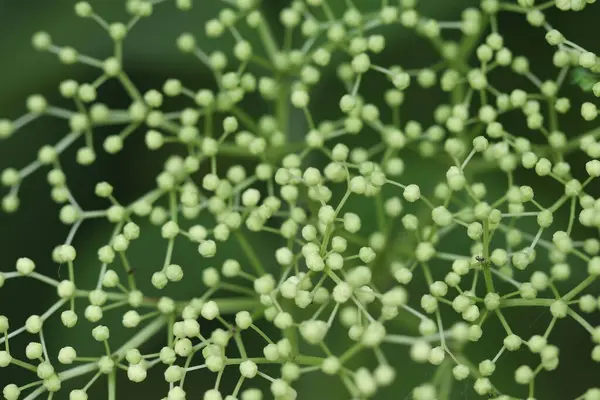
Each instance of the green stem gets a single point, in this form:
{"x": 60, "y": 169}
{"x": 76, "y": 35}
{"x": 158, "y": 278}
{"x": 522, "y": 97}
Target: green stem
{"x": 250, "y": 254}
{"x": 129, "y": 87}
{"x": 487, "y": 274}
{"x": 226, "y": 305}
{"x": 23, "y": 364}
{"x": 268, "y": 39}
{"x": 282, "y": 108}
{"x": 579, "y": 288}
{"x": 572, "y": 144}
{"x": 527, "y": 302}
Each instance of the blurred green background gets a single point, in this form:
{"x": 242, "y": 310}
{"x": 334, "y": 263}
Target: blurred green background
{"x": 150, "y": 58}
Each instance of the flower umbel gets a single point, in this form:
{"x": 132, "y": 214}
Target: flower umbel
{"x": 366, "y": 257}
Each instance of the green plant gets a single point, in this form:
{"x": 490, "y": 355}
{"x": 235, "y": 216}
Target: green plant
{"x": 439, "y": 260}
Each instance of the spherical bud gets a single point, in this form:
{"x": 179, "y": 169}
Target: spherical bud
{"x": 33, "y": 324}
{"x": 559, "y": 309}
{"x": 412, "y": 193}
{"x": 545, "y": 218}
{"x": 6, "y": 128}
{"x": 167, "y": 355}
{"x": 366, "y": 254}
{"x": 65, "y": 289}
{"x": 243, "y": 320}
{"x": 45, "y": 370}
{"x": 136, "y": 373}
{"x": 482, "y": 386}
{"x": 111, "y": 66}
{"x": 10, "y": 177}
{"x": 41, "y": 41}
{"x": 436, "y": 355}
{"x": 248, "y": 369}
{"x": 524, "y": 375}
{"x": 93, "y": 313}
{"x": 589, "y": 111}
{"x": 68, "y": 318}
{"x": 460, "y": 372}
{"x": 117, "y": 31}
{"x": 113, "y": 144}
{"x": 215, "y": 363}
{"x": 587, "y": 59}
{"x": 210, "y": 310}
{"x": 361, "y": 63}
{"x": 300, "y": 98}
{"x": 25, "y": 266}
{"x": 594, "y": 266}
{"x": 520, "y": 260}
{"x": 173, "y": 273}
{"x": 101, "y": 333}
{"x": 207, "y": 249}
{"x": 401, "y": 80}
{"x": 131, "y": 319}
{"x": 5, "y": 359}
{"x": 342, "y": 292}
{"x": 265, "y": 284}
{"x": 424, "y": 251}
{"x": 173, "y": 374}
{"x": 441, "y": 216}
{"x": 11, "y": 392}
{"x": 170, "y": 230}
{"x": 3, "y": 324}
{"x": 593, "y": 168}
{"x": 186, "y": 43}
{"x": 68, "y": 55}
{"x": 512, "y": 342}
{"x": 78, "y": 394}
{"x": 67, "y": 355}
{"x": 33, "y": 350}
{"x": 492, "y": 301}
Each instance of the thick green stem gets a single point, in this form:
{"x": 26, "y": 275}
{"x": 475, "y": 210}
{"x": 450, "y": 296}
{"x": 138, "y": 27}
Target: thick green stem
{"x": 250, "y": 254}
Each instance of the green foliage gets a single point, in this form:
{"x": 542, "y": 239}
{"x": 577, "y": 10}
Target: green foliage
{"x": 584, "y": 79}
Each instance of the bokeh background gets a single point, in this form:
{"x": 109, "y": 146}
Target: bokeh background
{"x": 150, "y": 58}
